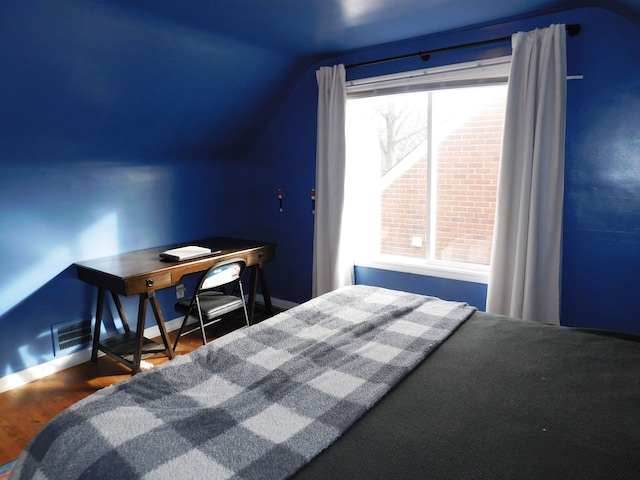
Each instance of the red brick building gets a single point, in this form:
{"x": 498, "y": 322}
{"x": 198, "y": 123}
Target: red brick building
{"x": 466, "y": 167}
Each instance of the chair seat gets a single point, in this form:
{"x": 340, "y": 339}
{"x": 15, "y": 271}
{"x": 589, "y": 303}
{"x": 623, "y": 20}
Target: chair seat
{"x": 210, "y": 302}
{"x": 212, "y": 305}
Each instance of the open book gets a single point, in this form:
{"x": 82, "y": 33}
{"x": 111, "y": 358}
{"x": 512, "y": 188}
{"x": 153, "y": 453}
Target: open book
{"x": 185, "y": 253}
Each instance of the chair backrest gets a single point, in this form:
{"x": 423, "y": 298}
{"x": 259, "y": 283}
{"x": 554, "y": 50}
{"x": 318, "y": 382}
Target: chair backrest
{"x": 222, "y": 273}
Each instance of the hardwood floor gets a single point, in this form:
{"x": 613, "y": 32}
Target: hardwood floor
{"x": 25, "y": 410}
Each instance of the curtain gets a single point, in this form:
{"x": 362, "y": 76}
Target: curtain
{"x": 524, "y": 280}
{"x": 332, "y": 264}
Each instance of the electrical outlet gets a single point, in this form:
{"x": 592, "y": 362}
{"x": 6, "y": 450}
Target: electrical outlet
{"x": 180, "y": 291}
{"x": 416, "y": 241}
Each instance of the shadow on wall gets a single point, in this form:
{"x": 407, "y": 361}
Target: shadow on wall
{"x": 47, "y": 291}
{"x": 27, "y": 339}
{"x": 101, "y": 239}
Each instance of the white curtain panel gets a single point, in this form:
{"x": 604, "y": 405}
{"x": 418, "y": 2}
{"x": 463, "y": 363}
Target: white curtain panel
{"x": 332, "y": 263}
{"x": 525, "y": 267}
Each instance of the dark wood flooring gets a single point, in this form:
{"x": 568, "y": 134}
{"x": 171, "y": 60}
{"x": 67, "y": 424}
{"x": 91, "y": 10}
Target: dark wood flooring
{"x": 26, "y": 409}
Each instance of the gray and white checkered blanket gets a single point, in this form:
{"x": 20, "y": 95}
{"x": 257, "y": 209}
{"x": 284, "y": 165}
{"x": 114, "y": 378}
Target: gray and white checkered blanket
{"x": 257, "y": 403}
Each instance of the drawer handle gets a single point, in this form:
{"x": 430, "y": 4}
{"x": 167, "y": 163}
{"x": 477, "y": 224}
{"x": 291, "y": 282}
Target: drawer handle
{"x": 261, "y": 255}
{"x": 149, "y": 282}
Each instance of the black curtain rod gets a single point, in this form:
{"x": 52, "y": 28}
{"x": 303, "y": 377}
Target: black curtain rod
{"x": 572, "y": 31}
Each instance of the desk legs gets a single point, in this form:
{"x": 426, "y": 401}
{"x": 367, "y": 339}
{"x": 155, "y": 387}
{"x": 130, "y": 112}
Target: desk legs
{"x": 99, "y": 310}
{"x": 123, "y": 317}
{"x": 132, "y": 344}
{"x": 96, "y": 328}
{"x": 257, "y": 272}
{"x": 161, "y": 326}
{"x": 139, "y": 343}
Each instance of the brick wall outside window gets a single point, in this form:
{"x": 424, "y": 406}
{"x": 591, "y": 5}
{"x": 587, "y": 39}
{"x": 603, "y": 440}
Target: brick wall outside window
{"x": 467, "y": 175}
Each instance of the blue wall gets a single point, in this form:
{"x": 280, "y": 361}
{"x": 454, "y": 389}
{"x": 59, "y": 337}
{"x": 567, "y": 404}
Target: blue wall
{"x": 601, "y": 257}
{"x": 57, "y": 214}
{"x": 114, "y": 136}
{"x": 473, "y": 293}
{"x": 119, "y": 128}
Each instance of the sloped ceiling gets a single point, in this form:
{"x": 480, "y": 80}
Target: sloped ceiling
{"x": 122, "y": 79}
{"x": 312, "y": 27}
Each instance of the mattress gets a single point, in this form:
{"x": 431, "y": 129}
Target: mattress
{"x": 503, "y": 399}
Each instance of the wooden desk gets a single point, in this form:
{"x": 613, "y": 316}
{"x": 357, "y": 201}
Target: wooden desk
{"x": 143, "y": 272}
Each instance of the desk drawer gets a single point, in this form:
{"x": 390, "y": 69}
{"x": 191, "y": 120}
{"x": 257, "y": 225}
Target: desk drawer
{"x": 263, "y": 255}
{"x": 145, "y": 284}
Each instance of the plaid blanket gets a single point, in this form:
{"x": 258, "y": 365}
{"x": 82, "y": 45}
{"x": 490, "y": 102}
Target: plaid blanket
{"x": 257, "y": 403}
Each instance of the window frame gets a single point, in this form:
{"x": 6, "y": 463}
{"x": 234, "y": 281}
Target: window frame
{"x": 481, "y": 72}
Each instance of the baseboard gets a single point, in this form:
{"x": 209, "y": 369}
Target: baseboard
{"x": 28, "y": 375}
{"x": 23, "y": 377}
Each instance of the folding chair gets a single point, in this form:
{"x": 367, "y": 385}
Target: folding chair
{"x": 210, "y": 301}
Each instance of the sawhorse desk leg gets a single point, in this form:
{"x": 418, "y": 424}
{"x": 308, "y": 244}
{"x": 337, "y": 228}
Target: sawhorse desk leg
{"x": 257, "y": 273}
{"x": 133, "y": 342}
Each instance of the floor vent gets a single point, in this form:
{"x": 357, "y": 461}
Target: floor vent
{"x": 71, "y": 336}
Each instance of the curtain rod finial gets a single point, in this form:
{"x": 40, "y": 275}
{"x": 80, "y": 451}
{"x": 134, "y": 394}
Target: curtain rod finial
{"x": 573, "y": 29}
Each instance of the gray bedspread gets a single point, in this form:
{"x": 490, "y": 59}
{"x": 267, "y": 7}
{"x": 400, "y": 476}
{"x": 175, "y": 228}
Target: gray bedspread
{"x": 502, "y": 399}
{"x": 257, "y": 403}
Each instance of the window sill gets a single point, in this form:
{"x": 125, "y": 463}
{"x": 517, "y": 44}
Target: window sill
{"x": 452, "y": 271}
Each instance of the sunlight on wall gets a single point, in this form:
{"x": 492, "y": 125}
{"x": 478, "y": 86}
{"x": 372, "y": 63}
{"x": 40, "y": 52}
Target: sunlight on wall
{"x": 100, "y": 240}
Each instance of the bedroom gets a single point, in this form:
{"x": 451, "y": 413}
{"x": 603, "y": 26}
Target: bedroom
{"x": 107, "y": 114}
{"x": 126, "y": 123}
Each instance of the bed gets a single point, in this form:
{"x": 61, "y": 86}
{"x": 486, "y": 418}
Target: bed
{"x": 365, "y": 382}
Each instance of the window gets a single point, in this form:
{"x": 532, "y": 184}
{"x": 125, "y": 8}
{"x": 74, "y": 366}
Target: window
{"x": 423, "y": 152}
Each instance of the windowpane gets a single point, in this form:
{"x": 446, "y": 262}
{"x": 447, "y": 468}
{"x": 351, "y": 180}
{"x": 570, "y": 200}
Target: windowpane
{"x": 425, "y": 166}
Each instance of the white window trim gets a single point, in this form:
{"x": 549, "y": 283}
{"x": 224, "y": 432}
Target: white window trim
{"x": 441, "y": 269}
{"x": 436, "y": 77}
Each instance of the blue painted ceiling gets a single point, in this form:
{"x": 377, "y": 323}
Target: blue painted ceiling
{"x": 312, "y": 27}
{"x": 114, "y": 79}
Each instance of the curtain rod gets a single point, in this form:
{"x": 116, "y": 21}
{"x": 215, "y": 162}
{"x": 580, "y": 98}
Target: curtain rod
{"x": 572, "y": 31}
